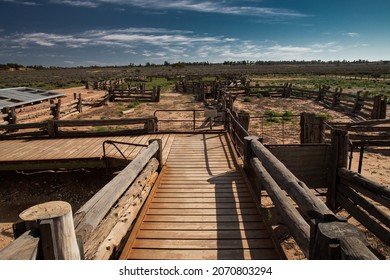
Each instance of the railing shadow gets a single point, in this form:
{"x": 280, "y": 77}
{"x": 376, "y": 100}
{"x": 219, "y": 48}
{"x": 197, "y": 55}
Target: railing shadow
{"x": 238, "y": 223}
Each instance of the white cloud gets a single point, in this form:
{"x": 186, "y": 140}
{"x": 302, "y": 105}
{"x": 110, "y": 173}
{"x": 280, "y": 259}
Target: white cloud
{"x": 26, "y": 3}
{"x": 353, "y": 34}
{"x": 87, "y": 4}
{"x": 220, "y": 7}
{"x": 159, "y": 45}
{"x": 290, "y": 49}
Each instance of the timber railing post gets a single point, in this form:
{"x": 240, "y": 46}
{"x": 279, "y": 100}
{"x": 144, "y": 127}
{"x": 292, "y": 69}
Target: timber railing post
{"x": 159, "y": 152}
{"x": 55, "y": 222}
{"x": 339, "y": 159}
{"x": 248, "y": 154}
{"x": 335, "y": 240}
{"x": 379, "y": 107}
{"x": 312, "y": 129}
{"x": 79, "y": 103}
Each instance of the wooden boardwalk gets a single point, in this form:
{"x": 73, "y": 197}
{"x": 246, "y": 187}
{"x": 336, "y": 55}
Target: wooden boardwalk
{"x": 201, "y": 208}
{"x": 78, "y": 152}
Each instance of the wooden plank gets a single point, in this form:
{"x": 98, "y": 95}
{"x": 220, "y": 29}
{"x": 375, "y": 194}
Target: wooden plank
{"x": 23, "y": 248}
{"x": 173, "y": 244}
{"x": 200, "y": 219}
{"x": 204, "y": 190}
{"x": 244, "y": 254}
{"x": 199, "y": 172}
{"x": 92, "y": 212}
{"x": 213, "y": 195}
{"x": 167, "y": 147}
{"x": 96, "y": 147}
{"x": 205, "y": 235}
{"x": 201, "y": 200}
{"x": 215, "y": 205}
{"x": 202, "y": 226}
{"x": 203, "y": 185}
{"x": 205, "y": 176}
{"x": 202, "y": 211}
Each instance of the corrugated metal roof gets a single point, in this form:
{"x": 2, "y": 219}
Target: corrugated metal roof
{"x": 16, "y": 97}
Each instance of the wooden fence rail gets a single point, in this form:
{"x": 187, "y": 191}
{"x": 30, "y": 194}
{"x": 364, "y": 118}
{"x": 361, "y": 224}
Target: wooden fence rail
{"x": 52, "y": 128}
{"x": 364, "y": 199}
{"x": 23, "y": 248}
{"x": 316, "y": 229}
{"x": 367, "y": 107}
{"x": 132, "y": 95}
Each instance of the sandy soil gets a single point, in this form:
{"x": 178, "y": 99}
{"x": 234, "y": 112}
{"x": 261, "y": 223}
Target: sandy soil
{"x": 18, "y": 191}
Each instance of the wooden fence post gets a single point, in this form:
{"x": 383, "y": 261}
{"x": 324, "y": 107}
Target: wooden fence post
{"x": 339, "y": 159}
{"x": 80, "y": 104}
{"x": 321, "y": 93}
{"x": 338, "y": 240}
{"x": 158, "y": 93}
{"x": 247, "y": 88}
{"x": 359, "y": 103}
{"x": 379, "y": 109}
{"x": 159, "y": 153}
{"x": 55, "y": 109}
{"x": 336, "y": 97}
{"x": 312, "y": 129}
{"x": 56, "y": 219}
{"x": 248, "y": 154}
{"x": 244, "y": 119}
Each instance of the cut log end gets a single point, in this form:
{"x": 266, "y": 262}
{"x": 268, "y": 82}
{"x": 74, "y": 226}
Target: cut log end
{"x": 48, "y": 210}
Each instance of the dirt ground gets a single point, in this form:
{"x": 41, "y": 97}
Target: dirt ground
{"x": 19, "y": 191}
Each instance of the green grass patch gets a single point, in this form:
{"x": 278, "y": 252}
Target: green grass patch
{"x": 276, "y": 117}
{"x": 132, "y": 105}
{"x": 324, "y": 116}
{"x": 247, "y": 99}
{"x": 164, "y": 84}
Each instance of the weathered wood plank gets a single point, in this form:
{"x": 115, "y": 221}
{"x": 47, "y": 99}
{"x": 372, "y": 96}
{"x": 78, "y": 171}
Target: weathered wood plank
{"x": 202, "y": 200}
{"x": 202, "y": 219}
{"x": 220, "y": 226}
{"x": 91, "y": 213}
{"x": 297, "y": 189}
{"x": 215, "y": 205}
{"x": 232, "y": 195}
{"x": 179, "y": 212}
{"x": 23, "y": 248}
{"x": 299, "y": 228}
{"x": 203, "y": 244}
{"x": 129, "y": 200}
{"x": 244, "y": 254}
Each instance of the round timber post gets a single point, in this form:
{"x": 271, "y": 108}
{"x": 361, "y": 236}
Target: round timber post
{"x": 55, "y": 222}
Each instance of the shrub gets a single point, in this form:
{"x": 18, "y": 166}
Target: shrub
{"x": 323, "y": 116}
{"x": 247, "y": 99}
{"x": 275, "y": 117}
{"x": 287, "y": 116}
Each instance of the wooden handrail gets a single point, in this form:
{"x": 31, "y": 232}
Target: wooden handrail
{"x": 91, "y": 213}
{"x": 23, "y": 248}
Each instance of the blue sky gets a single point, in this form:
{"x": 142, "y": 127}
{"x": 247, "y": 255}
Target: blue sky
{"x": 118, "y": 32}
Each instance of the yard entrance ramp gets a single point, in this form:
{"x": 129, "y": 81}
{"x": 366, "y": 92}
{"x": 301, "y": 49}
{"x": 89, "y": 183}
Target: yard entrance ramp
{"x": 201, "y": 208}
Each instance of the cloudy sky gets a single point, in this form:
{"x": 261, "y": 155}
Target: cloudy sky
{"x": 118, "y": 32}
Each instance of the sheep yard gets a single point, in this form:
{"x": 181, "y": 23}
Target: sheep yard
{"x": 274, "y": 119}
